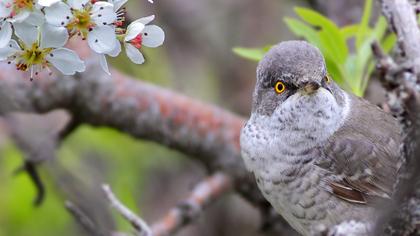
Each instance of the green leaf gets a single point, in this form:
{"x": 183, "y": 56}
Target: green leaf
{"x": 364, "y": 24}
{"x": 267, "y": 48}
{"x": 303, "y": 30}
{"x": 363, "y": 56}
{"x": 349, "y": 31}
{"x": 254, "y": 54}
{"x": 365, "y": 78}
{"x": 334, "y": 70}
{"x": 331, "y": 37}
{"x": 350, "y": 67}
{"x": 389, "y": 42}
{"x": 329, "y": 48}
{"x": 380, "y": 28}
{"x": 363, "y": 63}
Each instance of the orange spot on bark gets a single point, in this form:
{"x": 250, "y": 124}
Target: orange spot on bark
{"x": 164, "y": 107}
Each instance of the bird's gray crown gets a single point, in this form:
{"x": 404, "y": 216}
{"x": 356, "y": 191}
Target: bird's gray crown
{"x": 300, "y": 67}
{"x": 295, "y": 62}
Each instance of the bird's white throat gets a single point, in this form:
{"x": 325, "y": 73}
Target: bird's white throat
{"x": 304, "y": 121}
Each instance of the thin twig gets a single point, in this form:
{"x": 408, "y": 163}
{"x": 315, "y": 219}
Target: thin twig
{"x": 188, "y": 210}
{"x": 139, "y": 225}
{"x": 84, "y": 221}
{"x": 384, "y": 64}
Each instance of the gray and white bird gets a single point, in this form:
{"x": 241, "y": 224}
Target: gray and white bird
{"x": 319, "y": 154}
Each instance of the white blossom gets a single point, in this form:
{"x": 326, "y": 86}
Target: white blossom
{"x": 140, "y": 34}
{"x": 92, "y": 21}
{"x": 33, "y": 33}
{"x": 17, "y": 11}
{"x": 137, "y": 35}
{"x": 40, "y": 47}
{"x": 119, "y": 22}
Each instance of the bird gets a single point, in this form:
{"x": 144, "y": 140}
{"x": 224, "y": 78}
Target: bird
{"x": 320, "y": 155}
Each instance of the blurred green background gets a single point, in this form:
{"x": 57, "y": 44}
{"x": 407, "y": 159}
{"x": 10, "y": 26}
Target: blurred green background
{"x": 196, "y": 60}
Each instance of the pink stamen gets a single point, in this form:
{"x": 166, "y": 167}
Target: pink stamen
{"x": 137, "y": 41}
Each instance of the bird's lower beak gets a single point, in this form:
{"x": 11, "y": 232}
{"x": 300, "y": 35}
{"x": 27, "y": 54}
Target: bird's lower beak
{"x": 311, "y": 87}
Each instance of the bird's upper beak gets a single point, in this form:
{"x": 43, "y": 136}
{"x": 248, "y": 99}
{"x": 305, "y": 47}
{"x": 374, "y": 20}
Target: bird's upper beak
{"x": 311, "y": 87}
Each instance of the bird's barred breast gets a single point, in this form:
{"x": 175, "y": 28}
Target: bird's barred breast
{"x": 301, "y": 197}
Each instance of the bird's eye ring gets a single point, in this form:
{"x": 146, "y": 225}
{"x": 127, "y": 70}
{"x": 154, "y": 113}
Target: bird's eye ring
{"x": 327, "y": 79}
{"x": 279, "y": 87}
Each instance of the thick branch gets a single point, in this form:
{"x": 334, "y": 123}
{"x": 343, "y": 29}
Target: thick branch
{"x": 142, "y": 110}
{"x": 401, "y": 16}
{"x": 405, "y": 101}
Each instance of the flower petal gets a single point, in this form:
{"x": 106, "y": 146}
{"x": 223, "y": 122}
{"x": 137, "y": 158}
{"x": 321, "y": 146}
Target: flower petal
{"x": 77, "y": 4}
{"x": 104, "y": 63}
{"x": 102, "y": 39}
{"x": 36, "y": 17}
{"x": 20, "y": 17}
{"x": 5, "y": 33}
{"x": 11, "y": 48}
{"x": 53, "y": 36}
{"x": 116, "y": 51}
{"x": 145, "y": 20}
{"x": 47, "y": 3}
{"x": 66, "y": 61}
{"x": 153, "y": 36}
{"x": 58, "y": 14}
{"x": 133, "y": 30}
{"x": 103, "y": 13}
{"x": 26, "y": 32}
{"x": 117, "y": 3}
{"x": 134, "y": 54}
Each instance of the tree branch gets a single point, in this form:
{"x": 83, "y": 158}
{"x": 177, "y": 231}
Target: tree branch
{"x": 137, "y": 108}
{"x": 82, "y": 219}
{"x": 402, "y": 19}
{"x": 139, "y": 224}
{"x": 142, "y": 110}
{"x": 189, "y": 209}
{"x": 404, "y": 101}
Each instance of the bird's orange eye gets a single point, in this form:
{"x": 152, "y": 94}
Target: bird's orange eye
{"x": 327, "y": 79}
{"x": 279, "y": 87}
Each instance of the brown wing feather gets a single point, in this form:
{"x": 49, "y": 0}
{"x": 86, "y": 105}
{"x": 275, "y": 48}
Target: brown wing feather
{"x": 347, "y": 193}
{"x": 363, "y": 155}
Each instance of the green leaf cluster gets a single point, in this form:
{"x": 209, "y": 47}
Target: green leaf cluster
{"x": 351, "y": 69}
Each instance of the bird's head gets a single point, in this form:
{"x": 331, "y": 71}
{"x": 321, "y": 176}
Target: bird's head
{"x": 291, "y": 70}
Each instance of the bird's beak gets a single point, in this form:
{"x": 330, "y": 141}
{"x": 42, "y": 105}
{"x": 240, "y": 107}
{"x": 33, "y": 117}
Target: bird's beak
{"x": 311, "y": 87}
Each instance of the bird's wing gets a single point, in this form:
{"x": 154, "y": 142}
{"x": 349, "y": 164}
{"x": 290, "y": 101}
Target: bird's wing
{"x": 362, "y": 157}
